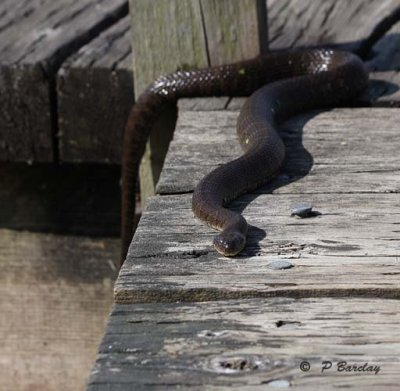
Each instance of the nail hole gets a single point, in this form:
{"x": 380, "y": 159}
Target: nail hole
{"x": 281, "y": 323}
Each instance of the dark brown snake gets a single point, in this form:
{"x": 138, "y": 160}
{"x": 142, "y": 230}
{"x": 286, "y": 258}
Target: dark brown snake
{"x": 282, "y": 84}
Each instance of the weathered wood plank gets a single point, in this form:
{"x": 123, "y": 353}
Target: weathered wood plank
{"x": 178, "y": 41}
{"x": 56, "y": 292}
{"x": 69, "y": 199}
{"x": 323, "y": 22}
{"x": 352, "y": 178}
{"x": 294, "y": 23}
{"x": 359, "y": 145}
{"x": 95, "y": 94}
{"x": 171, "y": 257}
{"x": 249, "y": 345}
{"x": 189, "y": 34}
{"x": 35, "y": 37}
{"x": 234, "y": 29}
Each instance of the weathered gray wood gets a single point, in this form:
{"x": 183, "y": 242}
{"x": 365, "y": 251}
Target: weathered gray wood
{"x": 35, "y": 37}
{"x": 341, "y": 23}
{"x": 69, "y": 199}
{"x": 234, "y": 29}
{"x": 351, "y": 248}
{"x": 201, "y": 346}
{"x": 178, "y": 41}
{"x": 301, "y": 23}
{"x": 181, "y": 34}
{"x": 342, "y": 164}
{"x": 56, "y": 292}
{"x": 359, "y": 145}
{"x": 95, "y": 94}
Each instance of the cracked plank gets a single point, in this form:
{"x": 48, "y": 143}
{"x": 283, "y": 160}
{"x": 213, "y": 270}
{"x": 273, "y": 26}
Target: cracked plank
{"x": 199, "y": 346}
{"x": 36, "y": 36}
{"x": 95, "y": 95}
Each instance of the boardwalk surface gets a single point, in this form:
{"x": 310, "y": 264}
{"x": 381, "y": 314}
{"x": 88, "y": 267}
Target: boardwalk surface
{"x": 336, "y": 306}
{"x": 337, "y": 302}
{"x": 336, "y": 160}
{"x": 184, "y": 317}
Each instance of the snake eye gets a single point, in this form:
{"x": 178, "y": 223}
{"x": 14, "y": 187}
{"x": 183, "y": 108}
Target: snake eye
{"x": 229, "y": 243}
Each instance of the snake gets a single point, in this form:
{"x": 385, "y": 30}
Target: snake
{"x": 280, "y": 84}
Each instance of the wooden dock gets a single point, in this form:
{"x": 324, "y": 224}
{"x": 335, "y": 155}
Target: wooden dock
{"x": 310, "y": 303}
{"x": 304, "y": 293}
{"x": 336, "y": 301}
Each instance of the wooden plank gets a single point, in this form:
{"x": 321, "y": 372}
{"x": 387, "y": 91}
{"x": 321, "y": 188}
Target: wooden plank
{"x": 95, "y": 94}
{"x": 323, "y": 22}
{"x": 318, "y": 145}
{"x": 35, "y": 38}
{"x": 189, "y": 34}
{"x": 234, "y": 30}
{"x": 352, "y": 180}
{"x": 56, "y": 292}
{"x": 178, "y": 41}
{"x": 342, "y": 23}
{"x": 171, "y": 257}
{"x": 68, "y": 199}
{"x": 253, "y": 344}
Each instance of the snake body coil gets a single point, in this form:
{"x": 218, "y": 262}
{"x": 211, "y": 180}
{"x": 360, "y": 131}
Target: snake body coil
{"x": 282, "y": 84}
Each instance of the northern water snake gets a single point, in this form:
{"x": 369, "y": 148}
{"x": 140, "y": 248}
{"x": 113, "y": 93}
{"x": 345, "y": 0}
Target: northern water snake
{"x": 282, "y": 83}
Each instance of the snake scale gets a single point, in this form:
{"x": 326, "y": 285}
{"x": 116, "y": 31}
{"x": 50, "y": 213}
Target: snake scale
{"x": 281, "y": 84}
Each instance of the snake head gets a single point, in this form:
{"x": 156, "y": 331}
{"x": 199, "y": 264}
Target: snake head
{"x": 229, "y": 243}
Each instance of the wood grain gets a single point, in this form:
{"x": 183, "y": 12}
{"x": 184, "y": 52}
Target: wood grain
{"x": 191, "y": 34}
{"x": 323, "y": 22}
{"x": 361, "y": 143}
{"x": 164, "y": 38}
{"x": 335, "y": 303}
{"x": 234, "y": 29}
{"x": 95, "y": 95}
{"x": 343, "y": 24}
{"x": 35, "y": 38}
{"x": 197, "y": 346}
{"x": 350, "y": 249}
{"x": 341, "y": 164}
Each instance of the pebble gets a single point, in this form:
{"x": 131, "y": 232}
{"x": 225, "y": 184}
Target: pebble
{"x": 280, "y": 265}
{"x": 302, "y": 209}
{"x": 279, "y": 383}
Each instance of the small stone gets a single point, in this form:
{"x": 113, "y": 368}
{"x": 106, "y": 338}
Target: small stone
{"x": 302, "y": 209}
{"x": 279, "y": 383}
{"x": 280, "y": 265}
